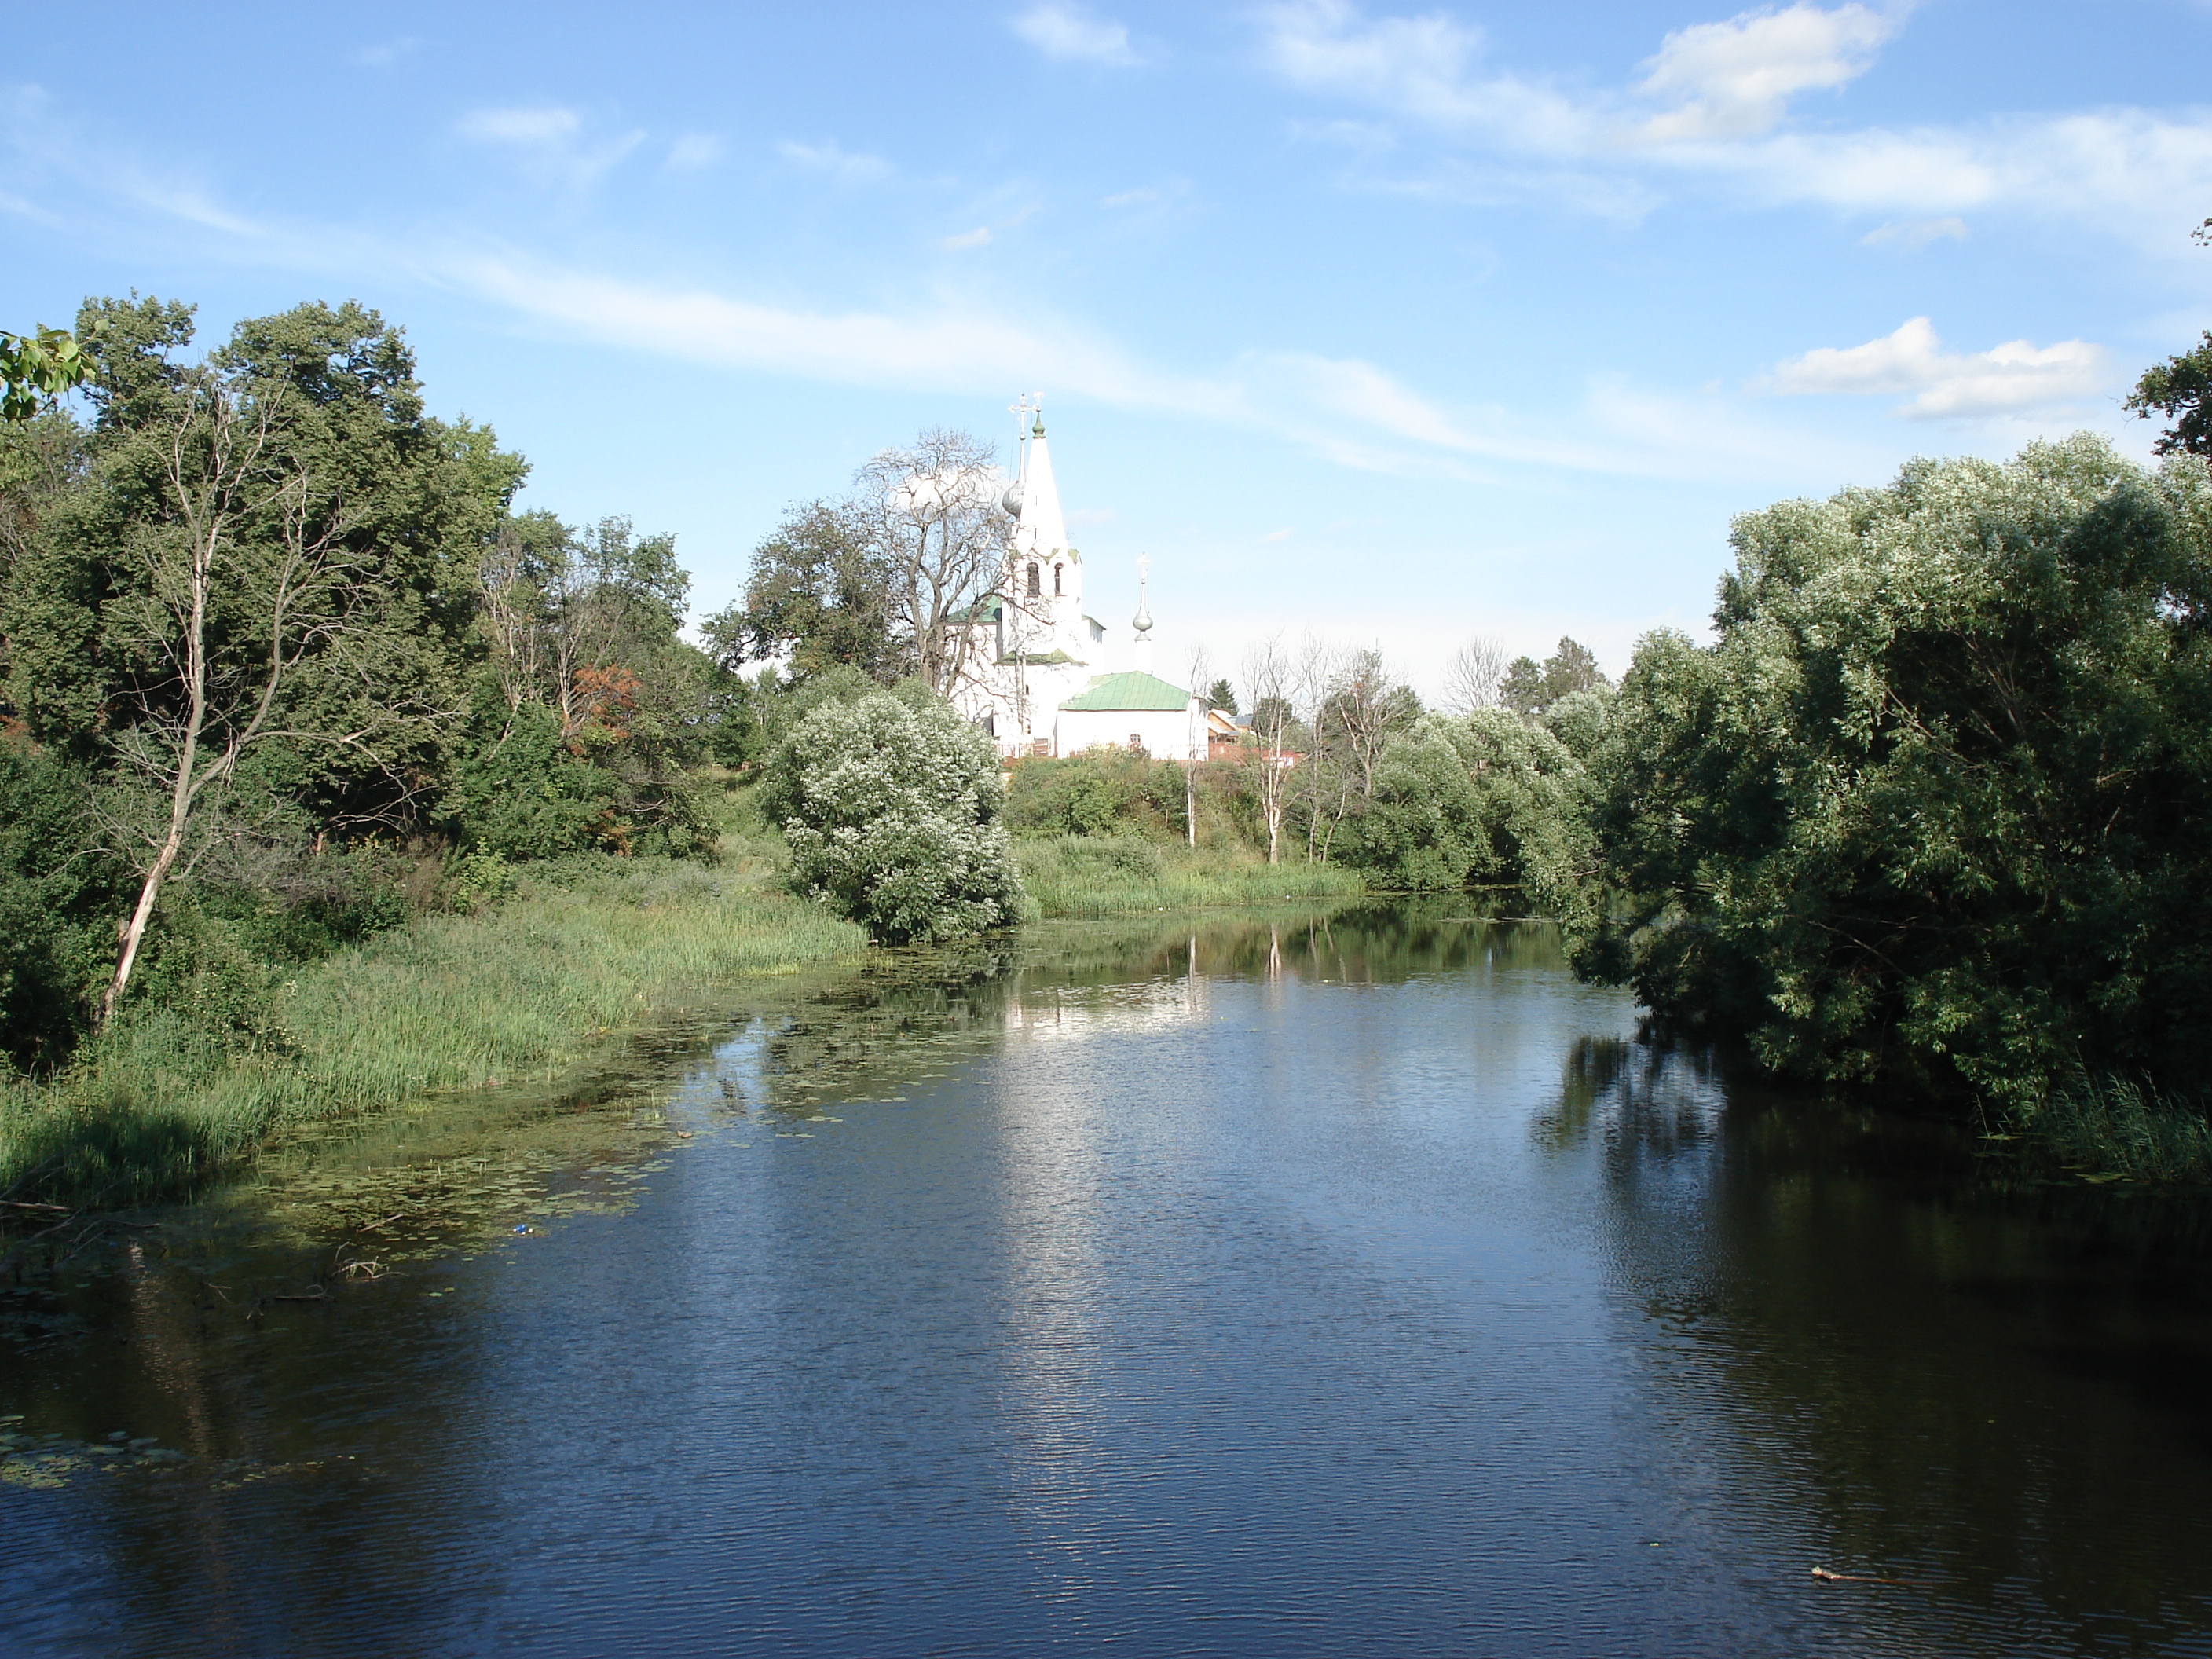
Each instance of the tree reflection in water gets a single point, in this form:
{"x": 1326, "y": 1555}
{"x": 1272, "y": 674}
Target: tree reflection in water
{"x": 1997, "y": 1389}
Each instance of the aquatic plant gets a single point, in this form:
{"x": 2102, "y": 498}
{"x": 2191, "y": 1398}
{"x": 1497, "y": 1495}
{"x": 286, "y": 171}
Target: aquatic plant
{"x": 583, "y": 952}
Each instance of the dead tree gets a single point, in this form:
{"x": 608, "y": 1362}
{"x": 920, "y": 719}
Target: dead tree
{"x": 247, "y": 583}
{"x": 935, "y": 513}
{"x": 1472, "y": 675}
{"x": 1267, "y": 690}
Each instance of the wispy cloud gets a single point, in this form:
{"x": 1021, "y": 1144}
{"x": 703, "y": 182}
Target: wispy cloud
{"x": 542, "y": 128}
{"x": 1348, "y": 410}
{"x": 833, "y": 159}
{"x": 984, "y": 234}
{"x": 1911, "y": 362}
{"x": 696, "y": 149}
{"x": 549, "y": 142}
{"x": 1071, "y": 32}
{"x": 1916, "y": 232}
{"x": 1724, "y": 93}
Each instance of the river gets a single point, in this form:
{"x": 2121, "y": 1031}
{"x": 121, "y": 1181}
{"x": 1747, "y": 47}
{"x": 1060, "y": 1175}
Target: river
{"x": 1325, "y": 1284}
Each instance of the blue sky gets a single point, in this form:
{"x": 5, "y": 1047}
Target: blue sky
{"x": 1400, "y": 324}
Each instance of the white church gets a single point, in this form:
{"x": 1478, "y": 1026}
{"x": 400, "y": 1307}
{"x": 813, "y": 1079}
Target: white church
{"x": 1043, "y": 677}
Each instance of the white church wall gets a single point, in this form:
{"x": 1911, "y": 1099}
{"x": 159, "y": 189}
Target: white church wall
{"x": 1163, "y": 733}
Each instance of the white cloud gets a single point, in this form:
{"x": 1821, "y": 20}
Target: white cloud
{"x": 1353, "y": 412}
{"x": 1722, "y": 80}
{"x": 1061, "y": 29}
{"x": 539, "y": 127}
{"x": 1416, "y": 67}
{"x": 2004, "y": 379}
{"x": 1916, "y": 232}
{"x": 846, "y": 167}
{"x": 1734, "y": 80}
{"x": 944, "y": 348}
{"x": 549, "y": 142}
{"x": 695, "y": 150}
{"x": 983, "y": 236}
{"x": 2130, "y": 172}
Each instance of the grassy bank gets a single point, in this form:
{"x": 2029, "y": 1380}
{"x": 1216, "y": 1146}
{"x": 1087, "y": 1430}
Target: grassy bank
{"x": 1105, "y": 876}
{"x": 2116, "y": 1129}
{"x": 574, "y": 957}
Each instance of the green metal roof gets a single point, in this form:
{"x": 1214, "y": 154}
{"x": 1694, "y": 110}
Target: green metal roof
{"x": 1050, "y": 660}
{"x": 1127, "y": 693}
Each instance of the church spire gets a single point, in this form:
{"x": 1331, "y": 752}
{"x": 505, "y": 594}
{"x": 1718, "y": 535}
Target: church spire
{"x": 1141, "y": 626}
{"x": 1043, "y": 530}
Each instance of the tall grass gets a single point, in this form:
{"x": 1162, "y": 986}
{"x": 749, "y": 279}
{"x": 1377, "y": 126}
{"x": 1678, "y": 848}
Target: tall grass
{"x": 2114, "y": 1128}
{"x": 1107, "y": 876}
{"x": 576, "y": 956}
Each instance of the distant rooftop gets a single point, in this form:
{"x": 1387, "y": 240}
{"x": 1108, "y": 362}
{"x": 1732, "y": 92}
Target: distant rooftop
{"x": 1127, "y": 693}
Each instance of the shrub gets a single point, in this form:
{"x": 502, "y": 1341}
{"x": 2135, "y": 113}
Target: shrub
{"x": 1101, "y": 792}
{"x": 1487, "y": 799}
{"x": 527, "y": 793}
{"x": 58, "y": 906}
{"x": 891, "y": 804}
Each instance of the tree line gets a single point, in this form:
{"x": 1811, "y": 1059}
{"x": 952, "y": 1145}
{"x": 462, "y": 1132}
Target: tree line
{"x": 280, "y": 662}
{"x": 268, "y": 630}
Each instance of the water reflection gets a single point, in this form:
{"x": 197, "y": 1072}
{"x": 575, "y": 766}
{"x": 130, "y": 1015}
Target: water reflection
{"x": 2001, "y": 1397}
{"x": 1290, "y": 1283}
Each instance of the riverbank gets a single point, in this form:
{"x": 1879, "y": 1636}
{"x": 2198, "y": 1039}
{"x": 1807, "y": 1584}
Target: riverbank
{"x": 573, "y": 958}
{"x": 1105, "y": 876}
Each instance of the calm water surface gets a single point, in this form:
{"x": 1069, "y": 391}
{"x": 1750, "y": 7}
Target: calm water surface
{"x": 1353, "y": 1285}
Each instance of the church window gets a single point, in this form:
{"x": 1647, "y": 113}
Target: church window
{"x": 1055, "y": 581}
{"x": 1035, "y": 589}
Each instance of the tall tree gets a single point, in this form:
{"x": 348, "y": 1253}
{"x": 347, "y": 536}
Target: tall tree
{"x": 1930, "y": 805}
{"x": 247, "y": 587}
{"x": 249, "y": 607}
{"x": 2178, "y": 389}
{"x": 819, "y": 596}
{"x": 1269, "y": 681}
{"x": 1528, "y": 688}
{"x": 934, "y": 515}
{"x": 1472, "y": 674}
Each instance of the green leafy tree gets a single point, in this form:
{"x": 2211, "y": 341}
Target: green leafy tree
{"x": 59, "y": 899}
{"x": 1580, "y": 720}
{"x": 1529, "y": 688}
{"x": 246, "y": 611}
{"x": 891, "y": 806}
{"x": 2177, "y": 389}
{"x": 37, "y": 367}
{"x": 580, "y": 630}
{"x": 1223, "y": 695}
{"x": 1931, "y": 807}
{"x": 1483, "y": 799}
{"x": 819, "y": 596}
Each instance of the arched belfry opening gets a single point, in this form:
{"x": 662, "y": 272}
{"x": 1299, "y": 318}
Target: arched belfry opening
{"x": 1035, "y": 588}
